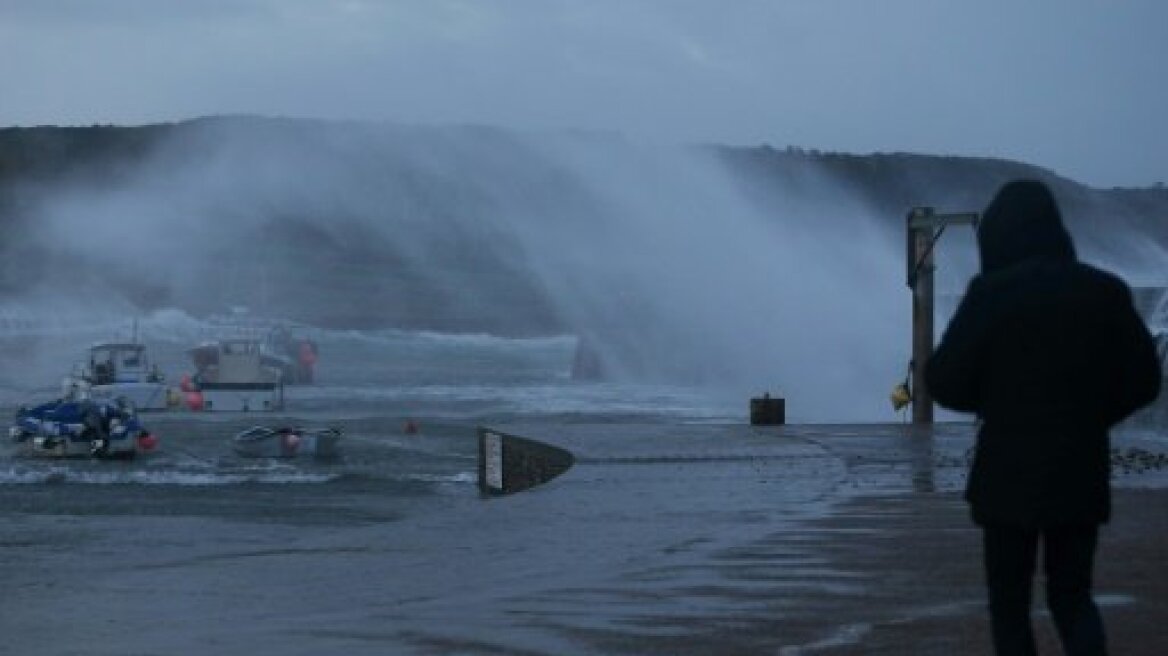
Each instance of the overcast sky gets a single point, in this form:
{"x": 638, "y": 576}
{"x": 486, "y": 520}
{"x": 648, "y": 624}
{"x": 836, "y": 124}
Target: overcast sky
{"x": 1077, "y": 86}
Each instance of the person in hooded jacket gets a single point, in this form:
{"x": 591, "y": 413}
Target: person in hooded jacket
{"x": 1049, "y": 353}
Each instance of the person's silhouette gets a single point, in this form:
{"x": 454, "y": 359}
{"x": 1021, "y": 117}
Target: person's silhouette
{"x": 1050, "y": 353}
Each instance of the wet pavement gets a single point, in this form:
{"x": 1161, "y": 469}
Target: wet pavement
{"x": 663, "y": 538}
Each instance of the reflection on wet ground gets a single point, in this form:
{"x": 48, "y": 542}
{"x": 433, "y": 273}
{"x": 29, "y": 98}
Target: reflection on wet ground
{"x": 661, "y": 537}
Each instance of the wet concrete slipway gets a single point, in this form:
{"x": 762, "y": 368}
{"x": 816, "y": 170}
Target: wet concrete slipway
{"x": 663, "y": 538}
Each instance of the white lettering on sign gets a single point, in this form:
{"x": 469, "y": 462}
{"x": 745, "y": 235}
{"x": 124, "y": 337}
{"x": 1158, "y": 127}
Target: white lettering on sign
{"x": 493, "y": 460}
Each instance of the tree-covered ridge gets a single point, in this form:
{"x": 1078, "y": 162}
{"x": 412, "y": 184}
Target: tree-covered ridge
{"x": 100, "y": 154}
{"x": 420, "y": 226}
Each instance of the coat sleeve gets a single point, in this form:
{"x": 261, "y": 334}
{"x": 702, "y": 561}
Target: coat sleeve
{"x": 953, "y": 373}
{"x": 1135, "y": 376}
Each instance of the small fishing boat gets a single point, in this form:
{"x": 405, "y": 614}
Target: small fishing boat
{"x": 295, "y": 356}
{"x": 287, "y": 442}
{"x": 120, "y": 370}
{"x": 231, "y": 375}
{"x": 282, "y": 346}
{"x": 86, "y": 427}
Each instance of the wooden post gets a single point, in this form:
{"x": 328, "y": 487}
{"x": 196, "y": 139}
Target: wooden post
{"x": 921, "y": 281}
{"x": 923, "y": 227}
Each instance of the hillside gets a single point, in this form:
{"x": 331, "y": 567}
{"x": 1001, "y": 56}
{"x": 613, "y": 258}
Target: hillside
{"x": 461, "y": 228}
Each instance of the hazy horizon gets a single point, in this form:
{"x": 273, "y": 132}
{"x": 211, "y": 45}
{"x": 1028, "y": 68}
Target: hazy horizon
{"x": 1071, "y": 88}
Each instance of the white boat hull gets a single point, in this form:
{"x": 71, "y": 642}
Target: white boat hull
{"x": 287, "y": 443}
{"x": 47, "y": 447}
{"x": 148, "y": 397}
{"x": 242, "y": 398}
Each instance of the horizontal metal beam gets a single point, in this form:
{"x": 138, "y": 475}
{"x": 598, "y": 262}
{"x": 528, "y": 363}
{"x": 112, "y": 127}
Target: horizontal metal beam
{"x": 938, "y": 220}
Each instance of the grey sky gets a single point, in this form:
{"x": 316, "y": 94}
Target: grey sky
{"x": 1077, "y": 86}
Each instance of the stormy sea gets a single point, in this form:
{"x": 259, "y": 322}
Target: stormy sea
{"x": 680, "y": 525}
{"x": 452, "y": 280}
{"x": 407, "y": 402}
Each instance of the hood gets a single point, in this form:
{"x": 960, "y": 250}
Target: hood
{"x": 1021, "y": 223}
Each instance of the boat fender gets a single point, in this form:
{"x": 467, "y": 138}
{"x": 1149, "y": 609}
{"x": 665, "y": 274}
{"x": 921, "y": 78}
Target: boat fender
{"x": 307, "y": 353}
{"x": 901, "y": 396}
{"x": 99, "y": 447}
{"x": 147, "y": 441}
{"x": 195, "y": 401}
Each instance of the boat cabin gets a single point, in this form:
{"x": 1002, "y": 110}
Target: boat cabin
{"x": 233, "y": 361}
{"x": 120, "y": 362}
{"x": 231, "y": 375}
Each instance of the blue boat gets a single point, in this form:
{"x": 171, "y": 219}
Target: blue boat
{"x": 63, "y": 428}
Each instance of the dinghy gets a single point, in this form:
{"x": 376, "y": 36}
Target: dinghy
{"x": 287, "y": 442}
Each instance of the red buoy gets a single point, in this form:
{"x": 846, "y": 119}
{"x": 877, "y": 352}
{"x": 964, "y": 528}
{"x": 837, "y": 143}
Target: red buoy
{"x": 147, "y": 442}
{"x": 307, "y": 354}
{"x": 194, "y": 400}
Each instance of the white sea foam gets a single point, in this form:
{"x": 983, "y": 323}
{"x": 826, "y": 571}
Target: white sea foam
{"x": 553, "y": 397}
{"x": 460, "y": 477}
{"x": 193, "y": 478}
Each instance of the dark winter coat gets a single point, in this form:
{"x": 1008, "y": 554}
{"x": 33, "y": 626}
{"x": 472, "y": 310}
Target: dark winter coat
{"x": 1050, "y": 354}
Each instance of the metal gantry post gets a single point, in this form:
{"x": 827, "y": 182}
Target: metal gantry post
{"x": 923, "y": 228}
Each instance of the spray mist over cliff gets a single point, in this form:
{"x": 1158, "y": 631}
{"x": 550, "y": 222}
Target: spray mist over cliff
{"x": 661, "y": 259}
{"x": 655, "y": 255}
